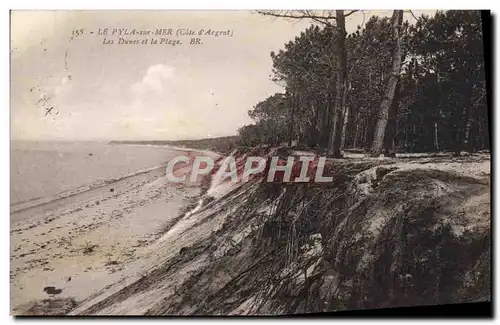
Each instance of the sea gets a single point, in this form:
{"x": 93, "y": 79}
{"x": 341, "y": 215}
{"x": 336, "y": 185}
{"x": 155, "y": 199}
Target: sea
{"x": 41, "y": 169}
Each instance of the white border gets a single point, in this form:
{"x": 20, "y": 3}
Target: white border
{"x": 255, "y": 4}
{"x": 214, "y": 4}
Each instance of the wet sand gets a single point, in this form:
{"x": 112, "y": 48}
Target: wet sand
{"x": 84, "y": 242}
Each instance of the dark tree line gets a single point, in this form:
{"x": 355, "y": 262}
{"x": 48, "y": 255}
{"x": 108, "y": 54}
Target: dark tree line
{"x": 388, "y": 86}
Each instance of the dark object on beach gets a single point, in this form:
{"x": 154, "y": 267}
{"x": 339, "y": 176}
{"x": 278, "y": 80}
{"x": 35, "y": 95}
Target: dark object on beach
{"x": 52, "y": 291}
{"x": 97, "y": 202}
{"x": 68, "y": 279}
{"x": 111, "y": 189}
{"x": 91, "y": 154}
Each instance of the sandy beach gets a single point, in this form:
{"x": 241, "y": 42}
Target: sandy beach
{"x": 85, "y": 241}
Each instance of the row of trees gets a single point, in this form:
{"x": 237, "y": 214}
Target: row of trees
{"x": 388, "y": 86}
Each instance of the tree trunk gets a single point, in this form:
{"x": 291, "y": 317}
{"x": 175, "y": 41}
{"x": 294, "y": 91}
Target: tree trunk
{"x": 356, "y": 131}
{"x": 392, "y": 126}
{"x": 463, "y": 119}
{"x": 316, "y": 129}
{"x": 436, "y": 136}
{"x": 461, "y": 131}
{"x": 390, "y": 132}
{"x": 338, "y": 118}
{"x": 328, "y": 121}
{"x": 379, "y": 132}
{"x": 367, "y": 133}
{"x": 292, "y": 113}
{"x": 344, "y": 125}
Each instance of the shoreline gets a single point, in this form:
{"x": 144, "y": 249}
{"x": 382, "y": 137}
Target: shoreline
{"x": 41, "y": 201}
{"x": 92, "y": 240}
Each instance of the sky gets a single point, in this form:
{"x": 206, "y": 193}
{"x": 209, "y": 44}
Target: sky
{"x": 97, "y": 91}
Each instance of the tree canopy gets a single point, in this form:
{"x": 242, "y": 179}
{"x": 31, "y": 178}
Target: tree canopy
{"x": 439, "y": 99}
